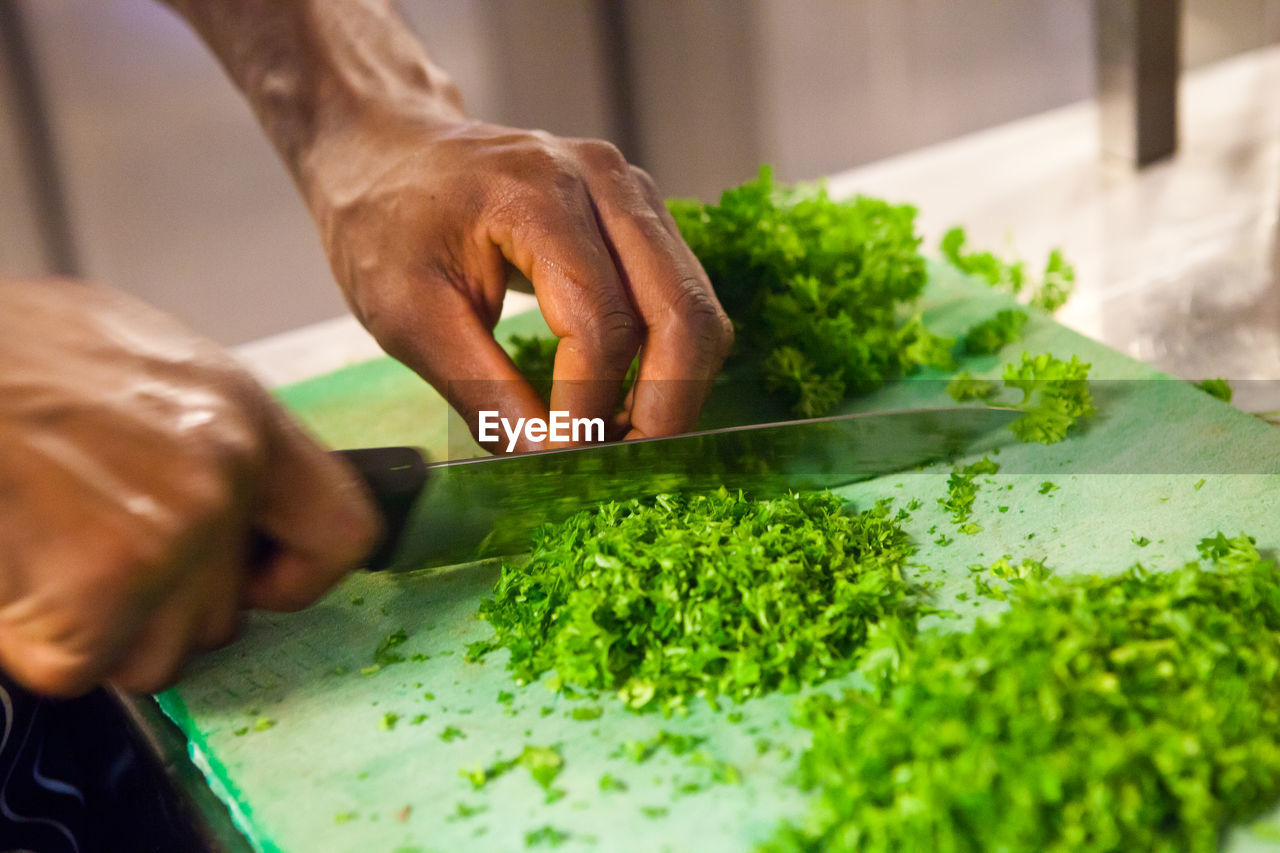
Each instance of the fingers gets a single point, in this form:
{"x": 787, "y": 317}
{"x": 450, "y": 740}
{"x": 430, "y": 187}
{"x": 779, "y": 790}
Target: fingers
{"x": 316, "y": 512}
{"x": 200, "y": 615}
{"x": 688, "y": 335}
{"x": 462, "y": 360}
{"x": 556, "y": 242}
{"x": 64, "y": 647}
{"x": 158, "y": 650}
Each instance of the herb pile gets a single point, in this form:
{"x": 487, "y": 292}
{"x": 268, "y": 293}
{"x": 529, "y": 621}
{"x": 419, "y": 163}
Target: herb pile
{"x": 711, "y": 595}
{"x": 824, "y": 293}
{"x": 820, "y": 290}
{"x": 1135, "y": 712}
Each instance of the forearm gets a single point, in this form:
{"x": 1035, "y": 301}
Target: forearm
{"x": 312, "y": 69}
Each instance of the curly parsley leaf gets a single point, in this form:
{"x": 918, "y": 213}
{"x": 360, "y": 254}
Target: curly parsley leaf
{"x": 1048, "y": 294}
{"x": 992, "y": 334}
{"x": 1055, "y": 396}
{"x": 820, "y": 290}
{"x": 964, "y": 387}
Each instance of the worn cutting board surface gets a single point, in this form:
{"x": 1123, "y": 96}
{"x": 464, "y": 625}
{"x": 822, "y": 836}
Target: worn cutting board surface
{"x": 290, "y": 724}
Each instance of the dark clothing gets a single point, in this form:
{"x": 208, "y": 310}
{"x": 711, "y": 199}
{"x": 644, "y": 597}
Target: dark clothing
{"x": 73, "y": 779}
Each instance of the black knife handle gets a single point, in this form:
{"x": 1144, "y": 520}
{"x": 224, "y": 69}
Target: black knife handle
{"x": 395, "y": 477}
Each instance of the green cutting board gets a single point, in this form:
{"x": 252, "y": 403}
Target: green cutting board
{"x": 289, "y": 725}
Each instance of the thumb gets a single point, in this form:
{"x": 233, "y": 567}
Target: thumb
{"x": 316, "y": 512}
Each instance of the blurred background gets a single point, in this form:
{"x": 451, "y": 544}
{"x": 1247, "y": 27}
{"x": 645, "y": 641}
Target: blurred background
{"x": 130, "y": 159}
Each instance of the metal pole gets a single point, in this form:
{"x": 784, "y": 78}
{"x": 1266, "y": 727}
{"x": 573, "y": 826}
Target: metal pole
{"x": 1138, "y": 63}
{"x": 36, "y": 140}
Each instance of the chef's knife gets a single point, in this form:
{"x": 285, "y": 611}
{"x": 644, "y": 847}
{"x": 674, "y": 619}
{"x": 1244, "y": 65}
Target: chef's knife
{"x": 443, "y": 513}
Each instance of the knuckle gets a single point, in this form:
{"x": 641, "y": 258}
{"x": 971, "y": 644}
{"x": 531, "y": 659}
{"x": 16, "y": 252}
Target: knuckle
{"x": 616, "y": 334}
{"x": 645, "y": 181}
{"x": 207, "y": 496}
{"x": 703, "y": 320}
{"x": 531, "y": 162}
{"x": 113, "y": 565}
{"x": 600, "y": 155}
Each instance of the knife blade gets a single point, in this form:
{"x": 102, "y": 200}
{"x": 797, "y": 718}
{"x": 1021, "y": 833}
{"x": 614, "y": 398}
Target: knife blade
{"x": 445, "y": 513}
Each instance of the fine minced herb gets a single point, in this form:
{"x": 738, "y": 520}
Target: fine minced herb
{"x": 609, "y": 782}
{"x": 640, "y": 751}
{"x": 710, "y": 595}
{"x": 1130, "y": 712}
{"x": 962, "y": 489}
{"x": 1006, "y": 570}
{"x": 544, "y": 764}
{"x": 383, "y": 655}
{"x": 547, "y": 836}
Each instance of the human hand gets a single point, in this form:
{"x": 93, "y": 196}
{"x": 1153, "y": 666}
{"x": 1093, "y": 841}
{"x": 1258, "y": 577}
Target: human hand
{"x": 137, "y": 461}
{"x": 422, "y": 218}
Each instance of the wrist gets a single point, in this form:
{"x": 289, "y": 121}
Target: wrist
{"x": 321, "y": 73}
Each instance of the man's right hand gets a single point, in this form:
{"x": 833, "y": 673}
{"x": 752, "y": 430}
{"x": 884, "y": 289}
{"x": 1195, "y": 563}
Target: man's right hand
{"x": 137, "y": 465}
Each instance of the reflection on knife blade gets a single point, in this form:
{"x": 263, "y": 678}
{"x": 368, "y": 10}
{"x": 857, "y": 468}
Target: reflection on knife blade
{"x": 476, "y": 508}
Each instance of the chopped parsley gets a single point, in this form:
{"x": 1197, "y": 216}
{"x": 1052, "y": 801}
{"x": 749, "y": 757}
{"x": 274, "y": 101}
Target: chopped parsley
{"x": 962, "y": 489}
{"x": 1055, "y": 395}
{"x": 608, "y": 782}
{"x": 823, "y": 293}
{"x": 994, "y": 333}
{"x": 1048, "y": 294}
{"x": 383, "y": 656}
{"x": 714, "y": 595}
{"x": 544, "y": 763}
{"x": 1219, "y": 388}
{"x": 1075, "y": 719}
{"x": 547, "y": 836}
